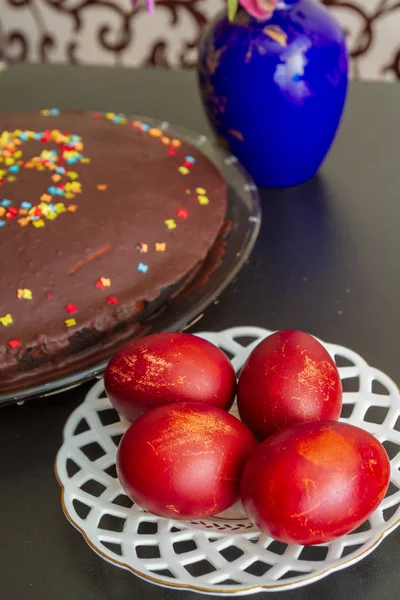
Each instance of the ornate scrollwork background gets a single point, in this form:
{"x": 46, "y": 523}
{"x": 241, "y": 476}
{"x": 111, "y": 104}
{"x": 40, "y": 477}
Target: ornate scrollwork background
{"x": 109, "y": 32}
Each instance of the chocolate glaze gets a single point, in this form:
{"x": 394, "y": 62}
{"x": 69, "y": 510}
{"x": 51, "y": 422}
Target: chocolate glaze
{"x": 143, "y": 189}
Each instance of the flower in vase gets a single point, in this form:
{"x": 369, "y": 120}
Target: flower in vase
{"x": 259, "y": 9}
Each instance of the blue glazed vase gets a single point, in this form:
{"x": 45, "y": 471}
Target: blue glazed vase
{"x": 275, "y": 90}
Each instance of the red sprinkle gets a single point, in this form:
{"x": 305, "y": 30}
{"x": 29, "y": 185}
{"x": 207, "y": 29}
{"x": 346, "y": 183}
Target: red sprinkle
{"x": 171, "y": 152}
{"x": 182, "y": 213}
{"x": 100, "y": 285}
{"x": 97, "y": 116}
{"x": 112, "y": 300}
{"x": 14, "y": 343}
{"x": 38, "y": 212}
{"x": 187, "y": 164}
{"x": 13, "y": 211}
{"x": 48, "y": 296}
{"x": 71, "y": 308}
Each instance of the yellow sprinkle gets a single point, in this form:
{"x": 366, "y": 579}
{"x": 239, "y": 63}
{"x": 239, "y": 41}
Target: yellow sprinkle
{"x": 41, "y": 167}
{"x": 18, "y": 154}
{"x": 154, "y": 132}
{"x": 3, "y": 173}
{"x": 105, "y": 281}
{"x": 70, "y": 322}
{"x": 45, "y": 112}
{"x": 183, "y": 170}
{"x": 60, "y": 207}
{"x": 38, "y": 223}
{"x": 69, "y": 195}
{"x": 170, "y": 223}
{"x": 123, "y": 121}
{"x": 165, "y": 140}
{"x": 24, "y": 294}
{"x": 72, "y": 175}
{"x": 176, "y": 143}
{"x": 85, "y": 160}
{"x": 51, "y": 215}
{"x": 17, "y": 132}
{"x": 6, "y": 320}
{"x": 187, "y": 191}
{"x": 160, "y": 247}
{"x": 9, "y": 162}
{"x": 11, "y": 178}
{"x": 203, "y": 200}
{"x": 201, "y": 191}
{"x": 110, "y": 115}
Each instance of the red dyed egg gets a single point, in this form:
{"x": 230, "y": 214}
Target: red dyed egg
{"x": 312, "y": 482}
{"x": 184, "y": 460}
{"x": 288, "y": 378}
{"x": 168, "y": 367}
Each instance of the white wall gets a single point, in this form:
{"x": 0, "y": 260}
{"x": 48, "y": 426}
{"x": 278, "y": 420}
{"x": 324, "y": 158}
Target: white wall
{"x": 69, "y": 31}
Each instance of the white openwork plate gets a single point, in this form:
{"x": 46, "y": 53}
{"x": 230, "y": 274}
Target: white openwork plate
{"x": 225, "y": 554}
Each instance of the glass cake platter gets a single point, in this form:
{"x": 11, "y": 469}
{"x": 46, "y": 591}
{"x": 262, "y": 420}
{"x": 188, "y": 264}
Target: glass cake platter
{"x": 223, "y": 262}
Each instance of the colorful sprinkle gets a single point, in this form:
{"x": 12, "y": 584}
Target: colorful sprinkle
{"x": 203, "y": 200}
{"x": 165, "y": 140}
{"x": 2, "y": 223}
{"x": 171, "y": 152}
{"x": 14, "y": 343}
{"x": 201, "y": 191}
{"x": 160, "y": 246}
{"x": 103, "y": 282}
{"x": 183, "y": 214}
{"x": 26, "y": 205}
{"x": 142, "y": 247}
{"x": 70, "y": 322}
{"x": 24, "y": 294}
{"x": 6, "y": 320}
{"x": 38, "y": 223}
{"x": 170, "y": 223}
{"x": 5, "y": 202}
{"x": 190, "y": 159}
{"x": 112, "y": 300}
{"x": 154, "y": 132}
{"x": 71, "y": 308}
{"x": 183, "y": 170}
{"x": 176, "y": 143}
{"x": 48, "y": 296}
{"x": 101, "y": 186}
{"x": 142, "y": 268}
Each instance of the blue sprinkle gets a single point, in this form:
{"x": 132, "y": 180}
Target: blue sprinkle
{"x": 2, "y": 223}
{"x": 116, "y": 119}
{"x": 14, "y": 169}
{"x": 76, "y": 138}
{"x": 145, "y": 127}
{"x": 52, "y": 207}
{"x": 23, "y": 136}
{"x": 52, "y": 190}
{"x": 143, "y": 268}
{"x": 71, "y": 161}
{"x": 6, "y": 202}
{"x": 59, "y": 192}
{"x": 38, "y": 136}
{"x": 35, "y": 218}
{"x": 54, "y": 112}
{"x": 60, "y": 170}
{"x": 26, "y": 205}
{"x": 190, "y": 159}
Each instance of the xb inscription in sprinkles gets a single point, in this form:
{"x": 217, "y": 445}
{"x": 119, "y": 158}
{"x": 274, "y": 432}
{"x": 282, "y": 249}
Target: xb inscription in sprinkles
{"x": 62, "y": 190}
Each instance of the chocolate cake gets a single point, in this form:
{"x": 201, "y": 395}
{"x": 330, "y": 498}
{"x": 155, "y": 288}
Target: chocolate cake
{"x": 101, "y": 217}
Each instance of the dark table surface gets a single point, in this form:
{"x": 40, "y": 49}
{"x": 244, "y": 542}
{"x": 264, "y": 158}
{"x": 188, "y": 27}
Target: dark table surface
{"x": 327, "y": 261}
